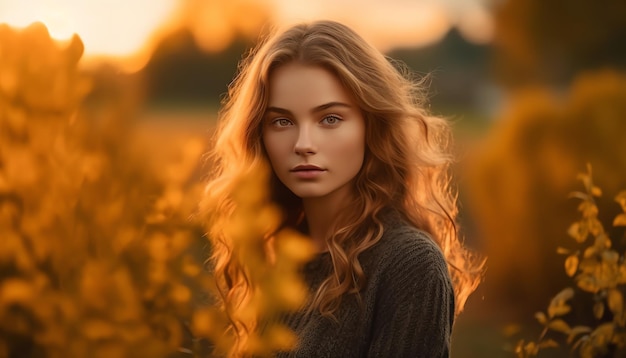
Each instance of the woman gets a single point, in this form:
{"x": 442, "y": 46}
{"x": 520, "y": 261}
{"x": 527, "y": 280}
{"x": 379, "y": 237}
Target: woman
{"x": 361, "y": 168}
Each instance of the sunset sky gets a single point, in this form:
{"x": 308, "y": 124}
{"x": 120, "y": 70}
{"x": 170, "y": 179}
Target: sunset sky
{"x": 128, "y": 30}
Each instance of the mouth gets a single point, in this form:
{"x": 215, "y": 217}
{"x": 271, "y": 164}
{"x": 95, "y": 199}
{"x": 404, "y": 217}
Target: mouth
{"x": 308, "y": 172}
{"x": 307, "y": 168}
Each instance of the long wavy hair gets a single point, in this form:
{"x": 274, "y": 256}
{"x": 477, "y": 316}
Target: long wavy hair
{"x": 406, "y": 165}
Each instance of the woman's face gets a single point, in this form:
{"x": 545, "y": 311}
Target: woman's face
{"x": 313, "y": 132}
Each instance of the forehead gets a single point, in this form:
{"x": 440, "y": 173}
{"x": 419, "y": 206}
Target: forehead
{"x": 298, "y": 86}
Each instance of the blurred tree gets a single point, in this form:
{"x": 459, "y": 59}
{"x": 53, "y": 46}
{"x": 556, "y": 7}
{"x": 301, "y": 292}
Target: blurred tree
{"x": 522, "y": 175}
{"x": 181, "y": 72}
{"x": 564, "y": 109}
{"x": 194, "y": 64}
{"x": 549, "y": 42}
{"x": 458, "y": 69}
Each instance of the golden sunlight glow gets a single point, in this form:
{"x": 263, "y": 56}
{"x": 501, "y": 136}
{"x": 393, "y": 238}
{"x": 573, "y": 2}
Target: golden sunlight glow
{"x": 476, "y": 24}
{"x": 216, "y": 23}
{"x": 126, "y": 31}
{"x": 396, "y": 23}
{"x": 387, "y": 25}
{"x": 113, "y": 28}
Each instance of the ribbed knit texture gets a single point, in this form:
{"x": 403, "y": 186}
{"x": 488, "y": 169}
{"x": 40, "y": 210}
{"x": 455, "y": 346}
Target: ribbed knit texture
{"x": 407, "y": 307}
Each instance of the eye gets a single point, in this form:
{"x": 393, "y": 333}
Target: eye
{"x": 331, "y": 120}
{"x": 281, "y": 122}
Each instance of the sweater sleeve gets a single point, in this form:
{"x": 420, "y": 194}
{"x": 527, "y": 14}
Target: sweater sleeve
{"x": 415, "y": 307}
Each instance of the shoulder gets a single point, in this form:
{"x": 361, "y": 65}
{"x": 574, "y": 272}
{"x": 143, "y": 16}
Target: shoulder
{"x": 414, "y": 310}
{"x": 406, "y": 265}
{"x": 404, "y": 247}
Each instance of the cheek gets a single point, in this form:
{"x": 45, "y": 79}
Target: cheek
{"x": 348, "y": 150}
{"x": 347, "y": 154}
{"x": 351, "y": 145}
{"x": 273, "y": 148}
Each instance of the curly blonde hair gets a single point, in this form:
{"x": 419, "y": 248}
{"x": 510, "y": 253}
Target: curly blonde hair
{"x": 406, "y": 165}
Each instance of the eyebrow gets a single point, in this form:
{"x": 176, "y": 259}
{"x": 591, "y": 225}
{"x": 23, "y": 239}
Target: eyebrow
{"x": 314, "y": 110}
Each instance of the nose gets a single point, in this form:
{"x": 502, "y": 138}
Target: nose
{"x": 305, "y": 144}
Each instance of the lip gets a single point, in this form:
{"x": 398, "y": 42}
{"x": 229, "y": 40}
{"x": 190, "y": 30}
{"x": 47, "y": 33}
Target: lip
{"x": 307, "y": 171}
{"x": 306, "y": 167}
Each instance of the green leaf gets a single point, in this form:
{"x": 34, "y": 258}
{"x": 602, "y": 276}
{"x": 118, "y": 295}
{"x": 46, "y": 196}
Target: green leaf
{"x": 571, "y": 265}
{"x": 559, "y": 325}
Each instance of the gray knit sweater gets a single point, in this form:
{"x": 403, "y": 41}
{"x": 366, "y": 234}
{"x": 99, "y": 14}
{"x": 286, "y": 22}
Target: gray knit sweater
{"x": 407, "y": 307}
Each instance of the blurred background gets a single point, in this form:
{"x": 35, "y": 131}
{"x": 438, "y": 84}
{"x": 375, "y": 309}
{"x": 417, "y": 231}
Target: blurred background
{"x": 536, "y": 90}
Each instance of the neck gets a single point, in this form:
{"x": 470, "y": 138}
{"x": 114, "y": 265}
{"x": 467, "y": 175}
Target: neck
{"x": 321, "y": 214}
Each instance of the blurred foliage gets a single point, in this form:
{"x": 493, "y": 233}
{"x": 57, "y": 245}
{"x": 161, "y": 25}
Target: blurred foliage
{"x": 268, "y": 265}
{"x": 101, "y": 250}
{"x": 560, "y": 66}
{"x": 550, "y": 42}
{"x": 527, "y": 165}
{"x": 597, "y": 269}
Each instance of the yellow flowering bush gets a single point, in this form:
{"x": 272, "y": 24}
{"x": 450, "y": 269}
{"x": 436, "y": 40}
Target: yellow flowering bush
{"x": 598, "y": 269}
{"x": 101, "y": 253}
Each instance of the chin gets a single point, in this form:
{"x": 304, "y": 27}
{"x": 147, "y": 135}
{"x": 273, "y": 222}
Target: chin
{"x": 307, "y": 193}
